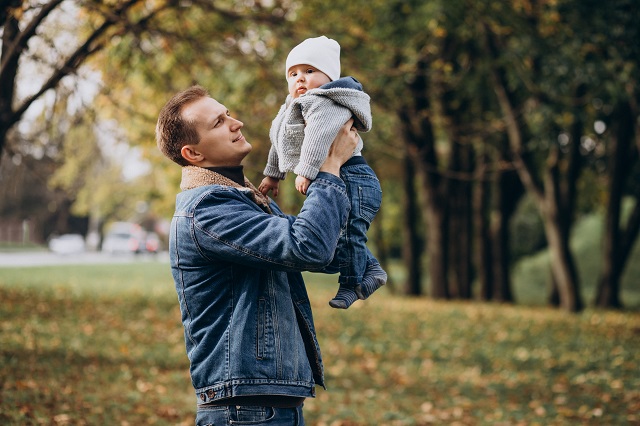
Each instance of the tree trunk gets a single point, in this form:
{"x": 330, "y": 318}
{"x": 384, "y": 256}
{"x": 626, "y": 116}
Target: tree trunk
{"x": 10, "y": 31}
{"x": 437, "y": 245}
{"x": 459, "y": 196}
{"x": 609, "y": 282}
{"x": 509, "y": 193}
{"x": 93, "y": 233}
{"x": 420, "y": 139}
{"x": 461, "y": 254}
{"x": 563, "y": 267}
{"x": 617, "y": 241}
{"x": 482, "y": 234}
{"x": 412, "y": 249}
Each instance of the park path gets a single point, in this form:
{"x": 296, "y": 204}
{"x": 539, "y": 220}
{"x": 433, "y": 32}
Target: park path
{"x": 22, "y": 259}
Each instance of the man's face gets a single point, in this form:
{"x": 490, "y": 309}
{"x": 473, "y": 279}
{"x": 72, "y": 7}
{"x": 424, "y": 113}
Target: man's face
{"x": 221, "y": 141}
{"x": 302, "y": 78}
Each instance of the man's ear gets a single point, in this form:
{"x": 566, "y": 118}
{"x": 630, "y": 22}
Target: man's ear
{"x": 190, "y": 154}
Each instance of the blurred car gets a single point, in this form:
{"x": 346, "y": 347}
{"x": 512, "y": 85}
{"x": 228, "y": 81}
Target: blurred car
{"x": 67, "y": 244}
{"x": 152, "y": 242}
{"x": 124, "y": 238}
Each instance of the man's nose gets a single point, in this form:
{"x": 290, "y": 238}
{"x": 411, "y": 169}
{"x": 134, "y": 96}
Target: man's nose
{"x": 237, "y": 124}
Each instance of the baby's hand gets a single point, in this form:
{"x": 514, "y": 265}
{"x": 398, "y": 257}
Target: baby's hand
{"x": 269, "y": 184}
{"x": 302, "y": 184}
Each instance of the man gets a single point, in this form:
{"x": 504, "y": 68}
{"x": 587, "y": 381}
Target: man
{"x": 236, "y": 262}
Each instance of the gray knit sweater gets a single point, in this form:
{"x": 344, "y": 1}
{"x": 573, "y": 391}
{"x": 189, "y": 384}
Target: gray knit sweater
{"x": 305, "y": 128}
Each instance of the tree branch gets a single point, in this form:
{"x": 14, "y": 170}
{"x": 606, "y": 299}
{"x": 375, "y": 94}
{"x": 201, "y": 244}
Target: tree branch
{"x": 513, "y": 126}
{"x": 262, "y": 15}
{"x": 23, "y": 38}
{"x": 94, "y": 43}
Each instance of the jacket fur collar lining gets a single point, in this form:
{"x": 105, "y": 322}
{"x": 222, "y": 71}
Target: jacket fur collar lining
{"x": 194, "y": 177}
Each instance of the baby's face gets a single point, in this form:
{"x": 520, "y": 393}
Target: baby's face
{"x": 302, "y": 78}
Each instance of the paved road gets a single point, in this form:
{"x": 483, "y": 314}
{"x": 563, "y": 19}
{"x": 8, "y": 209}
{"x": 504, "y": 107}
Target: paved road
{"x": 8, "y": 260}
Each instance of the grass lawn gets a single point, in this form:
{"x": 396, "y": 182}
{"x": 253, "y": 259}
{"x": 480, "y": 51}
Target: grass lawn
{"x": 103, "y": 345}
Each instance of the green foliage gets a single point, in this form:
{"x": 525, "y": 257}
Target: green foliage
{"x": 229, "y": 49}
{"x": 103, "y": 344}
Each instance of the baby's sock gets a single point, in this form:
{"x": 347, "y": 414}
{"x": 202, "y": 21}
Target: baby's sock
{"x": 344, "y": 298}
{"x": 374, "y": 278}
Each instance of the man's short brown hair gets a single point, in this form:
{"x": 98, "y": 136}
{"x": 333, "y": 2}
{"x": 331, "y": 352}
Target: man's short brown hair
{"x": 172, "y": 130}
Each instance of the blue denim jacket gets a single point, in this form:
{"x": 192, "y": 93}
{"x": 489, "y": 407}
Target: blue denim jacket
{"x": 247, "y": 319}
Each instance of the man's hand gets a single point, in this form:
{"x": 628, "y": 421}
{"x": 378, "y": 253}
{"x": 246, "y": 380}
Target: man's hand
{"x": 269, "y": 184}
{"x": 302, "y": 184}
{"x": 342, "y": 148}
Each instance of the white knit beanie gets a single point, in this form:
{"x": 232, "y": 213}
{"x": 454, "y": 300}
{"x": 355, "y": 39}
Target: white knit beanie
{"x": 320, "y": 52}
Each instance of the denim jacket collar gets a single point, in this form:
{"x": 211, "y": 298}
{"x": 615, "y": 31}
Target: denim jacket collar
{"x": 194, "y": 177}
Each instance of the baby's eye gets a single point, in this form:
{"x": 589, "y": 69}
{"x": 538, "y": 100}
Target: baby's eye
{"x": 310, "y": 70}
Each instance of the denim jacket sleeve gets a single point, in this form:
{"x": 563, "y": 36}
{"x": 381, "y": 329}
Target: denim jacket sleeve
{"x": 228, "y": 226}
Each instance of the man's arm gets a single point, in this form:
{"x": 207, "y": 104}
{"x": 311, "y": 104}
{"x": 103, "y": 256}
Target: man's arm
{"x": 231, "y": 227}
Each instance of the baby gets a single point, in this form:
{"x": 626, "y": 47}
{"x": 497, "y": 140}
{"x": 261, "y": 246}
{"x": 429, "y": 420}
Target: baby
{"x": 318, "y": 104}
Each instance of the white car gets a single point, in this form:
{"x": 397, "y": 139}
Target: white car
{"x": 67, "y": 244}
{"x": 124, "y": 238}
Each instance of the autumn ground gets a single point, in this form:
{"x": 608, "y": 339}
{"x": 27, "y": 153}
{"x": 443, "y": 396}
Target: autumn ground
{"x": 103, "y": 345}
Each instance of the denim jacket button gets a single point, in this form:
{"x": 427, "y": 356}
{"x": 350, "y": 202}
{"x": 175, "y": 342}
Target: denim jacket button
{"x": 211, "y": 393}
{"x": 203, "y": 397}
